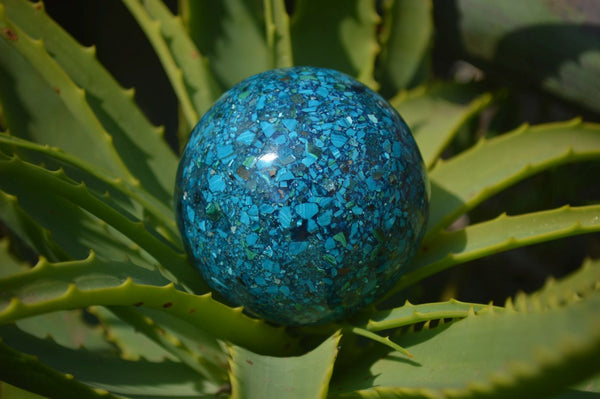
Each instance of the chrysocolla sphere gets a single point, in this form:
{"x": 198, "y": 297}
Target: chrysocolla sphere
{"x": 301, "y": 195}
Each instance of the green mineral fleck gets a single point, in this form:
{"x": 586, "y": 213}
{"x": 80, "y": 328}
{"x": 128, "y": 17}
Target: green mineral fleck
{"x": 213, "y": 211}
{"x": 313, "y": 149}
{"x": 249, "y": 161}
{"x": 379, "y": 235}
{"x": 250, "y": 254}
{"x": 341, "y": 238}
{"x": 329, "y": 258}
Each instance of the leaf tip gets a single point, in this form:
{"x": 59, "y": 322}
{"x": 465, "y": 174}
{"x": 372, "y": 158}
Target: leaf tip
{"x": 91, "y": 50}
{"x": 101, "y": 391}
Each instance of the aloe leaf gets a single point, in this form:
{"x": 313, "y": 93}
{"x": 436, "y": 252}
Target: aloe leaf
{"x": 436, "y": 113}
{"x": 177, "y": 339}
{"x": 24, "y": 175}
{"x": 198, "y": 78}
{"x": 447, "y": 249}
{"x": 152, "y": 29}
{"x": 65, "y": 119}
{"x": 386, "y": 341}
{"x": 9, "y": 264}
{"x": 69, "y": 329}
{"x": 74, "y": 231}
{"x": 169, "y": 343}
{"x": 568, "y": 290}
{"x": 78, "y": 284}
{"x": 500, "y": 36}
{"x": 302, "y": 377}
{"x": 27, "y": 372}
{"x": 8, "y": 391}
{"x": 130, "y": 343}
{"x": 116, "y": 191}
{"x": 49, "y": 280}
{"x": 205, "y": 345}
{"x": 140, "y": 145}
{"x": 406, "y": 37}
{"x": 337, "y": 34}
{"x": 409, "y": 314}
{"x": 581, "y": 390}
{"x": 516, "y": 155}
{"x": 30, "y": 231}
{"x": 186, "y": 68}
{"x": 231, "y": 34}
{"x": 166, "y": 379}
{"x": 537, "y": 351}
{"x": 277, "y": 25}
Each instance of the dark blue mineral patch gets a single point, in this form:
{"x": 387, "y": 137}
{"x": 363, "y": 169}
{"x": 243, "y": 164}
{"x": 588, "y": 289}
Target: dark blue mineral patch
{"x": 301, "y": 195}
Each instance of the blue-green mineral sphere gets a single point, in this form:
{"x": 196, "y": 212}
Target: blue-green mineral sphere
{"x": 301, "y": 195}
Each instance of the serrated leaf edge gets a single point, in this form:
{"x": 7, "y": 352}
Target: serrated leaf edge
{"x": 234, "y": 325}
{"x": 418, "y": 270}
{"x": 568, "y": 155}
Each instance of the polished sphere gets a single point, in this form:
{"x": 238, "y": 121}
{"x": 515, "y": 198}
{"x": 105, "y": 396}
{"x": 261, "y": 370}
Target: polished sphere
{"x": 301, "y": 195}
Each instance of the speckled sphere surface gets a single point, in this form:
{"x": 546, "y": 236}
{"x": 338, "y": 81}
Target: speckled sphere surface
{"x": 301, "y": 195}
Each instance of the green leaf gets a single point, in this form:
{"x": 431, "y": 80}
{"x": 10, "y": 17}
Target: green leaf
{"x": 153, "y": 338}
{"x": 447, "y": 249}
{"x": 379, "y": 339}
{"x": 78, "y": 284}
{"x": 50, "y": 280}
{"x": 65, "y": 119}
{"x": 538, "y": 350}
{"x": 70, "y": 195}
{"x": 581, "y": 390}
{"x": 9, "y": 264}
{"x": 114, "y": 191}
{"x": 337, "y": 34}
{"x": 467, "y": 179}
{"x": 567, "y": 290}
{"x": 27, "y": 372}
{"x": 409, "y": 314}
{"x": 140, "y": 145}
{"x": 69, "y": 329}
{"x": 74, "y": 231}
{"x": 22, "y": 370}
{"x": 199, "y": 81}
{"x": 166, "y": 379}
{"x": 28, "y": 229}
{"x": 500, "y": 37}
{"x": 277, "y": 25}
{"x": 169, "y": 343}
{"x": 302, "y": 377}
{"x": 152, "y": 29}
{"x": 231, "y": 34}
{"x": 132, "y": 345}
{"x": 204, "y": 344}
{"x": 436, "y": 113}
{"x": 8, "y": 391}
{"x": 186, "y": 68}
{"x": 406, "y": 37}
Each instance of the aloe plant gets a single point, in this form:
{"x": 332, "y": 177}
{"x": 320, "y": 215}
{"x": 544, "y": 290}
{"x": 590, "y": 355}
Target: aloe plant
{"x": 111, "y": 306}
